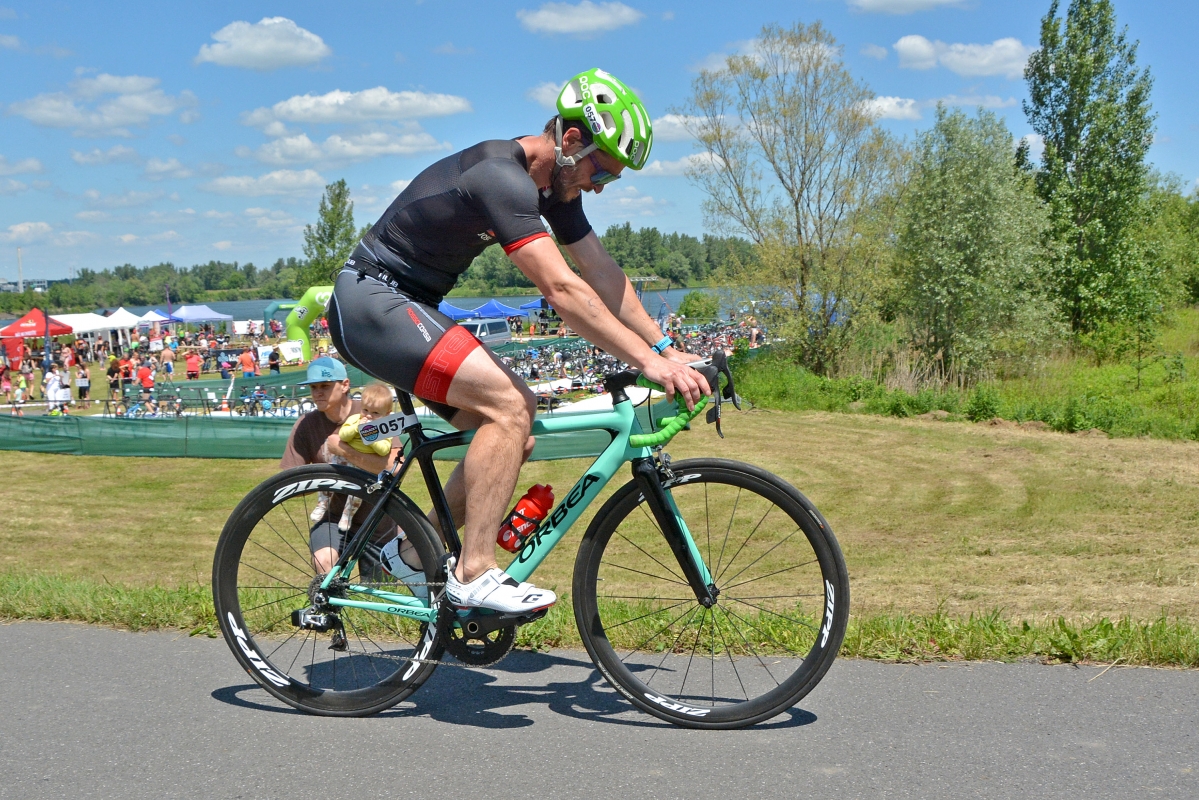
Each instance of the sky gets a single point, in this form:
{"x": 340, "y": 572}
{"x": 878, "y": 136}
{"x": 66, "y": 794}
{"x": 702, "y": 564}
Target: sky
{"x": 142, "y": 132}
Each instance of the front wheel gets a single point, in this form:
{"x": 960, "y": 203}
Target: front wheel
{"x": 778, "y": 620}
{"x": 361, "y": 661}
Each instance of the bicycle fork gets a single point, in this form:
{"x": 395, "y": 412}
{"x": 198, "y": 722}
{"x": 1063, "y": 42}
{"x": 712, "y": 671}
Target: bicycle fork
{"x": 678, "y": 537}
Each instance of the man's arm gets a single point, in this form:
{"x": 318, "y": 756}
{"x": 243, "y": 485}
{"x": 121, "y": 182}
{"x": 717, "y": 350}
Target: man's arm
{"x": 579, "y": 305}
{"x": 604, "y": 275}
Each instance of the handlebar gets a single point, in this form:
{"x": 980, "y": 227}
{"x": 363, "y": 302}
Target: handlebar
{"x": 711, "y": 369}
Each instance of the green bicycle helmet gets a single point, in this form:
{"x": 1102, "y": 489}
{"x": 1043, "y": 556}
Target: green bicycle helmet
{"x": 617, "y": 119}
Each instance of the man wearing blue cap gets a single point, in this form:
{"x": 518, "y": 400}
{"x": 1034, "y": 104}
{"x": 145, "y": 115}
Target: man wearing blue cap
{"x": 314, "y": 437}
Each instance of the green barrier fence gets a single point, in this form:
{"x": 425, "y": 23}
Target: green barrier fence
{"x": 242, "y": 437}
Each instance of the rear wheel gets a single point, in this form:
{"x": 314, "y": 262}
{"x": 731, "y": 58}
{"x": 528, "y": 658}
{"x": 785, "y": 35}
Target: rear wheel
{"x": 263, "y": 572}
{"x": 778, "y": 620}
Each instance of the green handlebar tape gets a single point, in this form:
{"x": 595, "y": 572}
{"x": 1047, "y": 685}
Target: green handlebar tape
{"x": 672, "y": 424}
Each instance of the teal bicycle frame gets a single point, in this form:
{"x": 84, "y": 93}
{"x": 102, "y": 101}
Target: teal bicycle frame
{"x": 621, "y": 422}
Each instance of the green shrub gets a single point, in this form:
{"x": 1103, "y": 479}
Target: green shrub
{"x": 983, "y": 404}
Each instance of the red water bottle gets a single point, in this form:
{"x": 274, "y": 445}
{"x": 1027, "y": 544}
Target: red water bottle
{"x": 525, "y": 516}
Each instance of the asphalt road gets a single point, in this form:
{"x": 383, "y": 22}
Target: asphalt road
{"x": 94, "y": 713}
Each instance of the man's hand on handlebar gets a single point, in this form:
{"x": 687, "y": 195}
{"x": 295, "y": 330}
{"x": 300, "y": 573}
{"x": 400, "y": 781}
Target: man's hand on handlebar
{"x": 674, "y": 377}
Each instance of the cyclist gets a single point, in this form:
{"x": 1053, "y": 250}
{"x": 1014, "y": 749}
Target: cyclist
{"x": 383, "y": 315}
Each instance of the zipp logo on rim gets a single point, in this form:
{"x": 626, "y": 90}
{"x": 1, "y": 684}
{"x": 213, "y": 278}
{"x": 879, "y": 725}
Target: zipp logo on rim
{"x": 255, "y": 659}
{"x": 828, "y": 614}
{"x": 673, "y": 706}
{"x": 327, "y": 484}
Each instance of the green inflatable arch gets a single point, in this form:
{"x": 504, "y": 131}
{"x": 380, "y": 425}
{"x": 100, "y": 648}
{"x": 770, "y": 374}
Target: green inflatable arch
{"x": 307, "y": 309}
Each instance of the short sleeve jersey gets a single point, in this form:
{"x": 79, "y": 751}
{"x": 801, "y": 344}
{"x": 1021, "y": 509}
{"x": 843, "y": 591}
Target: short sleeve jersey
{"x": 458, "y": 206}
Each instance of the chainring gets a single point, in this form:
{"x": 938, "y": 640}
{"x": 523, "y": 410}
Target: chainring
{"x": 483, "y": 651}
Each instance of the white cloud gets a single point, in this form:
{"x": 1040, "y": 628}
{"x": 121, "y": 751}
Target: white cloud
{"x": 127, "y": 238}
{"x": 92, "y": 216}
{"x": 337, "y": 148}
{"x": 1004, "y": 57}
{"x": 74, "y": 238}
{"x": 400, "y": 185}
{"x": 899, "y": 6}
{"x": 975, "y": 100}
{"x": 19, "y": 167}
{"x": 270, "y": 43}
{"x": 158, "y": 169}
{"x": 369, "y": 105}
{"x": 10, "y": 186}
{"x": 584, "y": 20}
{"x": 269, "y": 219}
{"x": 717, "y": 61}
{"x": 217, "y": 214}
{"x": 545, "y": 95}
{"x": 26, "y": 232}
{"x": 905, "y": 108}
{"x": 874, "y": 51}
{"x": 893, "y": 108}
{"x": 9, "y": 42}
{"x": 679, "y": 167}
{"x": 628, "y": 201}
{"x": 105, "y": 105}
{"x": 113, "y": 155}
{"x": 279, "y": 182}
{"x": 449, "y": 49}
{"x": 222, "y": 245}
{"x": 673, "y": 128}
{"x": 126, "y": 200}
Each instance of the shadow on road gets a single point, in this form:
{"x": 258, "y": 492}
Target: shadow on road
{"x": 475, "y": 697}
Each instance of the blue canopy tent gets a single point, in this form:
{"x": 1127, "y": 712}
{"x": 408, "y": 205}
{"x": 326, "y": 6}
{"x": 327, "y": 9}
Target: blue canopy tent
{"x": 534, "y": 305}
{"x": 494, "y": 308}
{"x": 453, "y": 312}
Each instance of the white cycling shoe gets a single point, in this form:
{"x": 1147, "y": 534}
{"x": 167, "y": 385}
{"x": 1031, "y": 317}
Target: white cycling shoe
{"x": 496, "y": 590}
{"x": 414, "y": 579}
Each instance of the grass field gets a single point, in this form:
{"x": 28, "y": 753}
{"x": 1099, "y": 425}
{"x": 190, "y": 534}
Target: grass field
{"x": 953, "y": 532}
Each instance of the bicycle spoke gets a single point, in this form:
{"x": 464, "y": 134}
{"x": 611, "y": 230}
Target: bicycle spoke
{"x": 670, "y": 650}
{"x": 651, "y": 558}
{"x": 698, "y": 632}
{"x": 646, "y": 574}
{"x": 750, "y": 646}
{"x": 293, "y": 549}
{"x": 729, "y": 652}
{"x": 272, "y": 602}
{"x": 643, "y": 616}
{"x": 732, "y": 516}
{"x": 741, "y": 571}
{"x": 272, "y": 577}
{"x": 775, "y": 613}
{"x": 729, "y": 565}
{"x": 769, "y": 575}
{"x": 660, "y": 631}
{"x": 276, "y": 555}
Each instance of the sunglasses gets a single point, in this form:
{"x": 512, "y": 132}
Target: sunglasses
{"x": 601, "y": 176}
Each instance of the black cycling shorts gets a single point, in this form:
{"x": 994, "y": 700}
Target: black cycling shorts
{"x": 397, "y": 339}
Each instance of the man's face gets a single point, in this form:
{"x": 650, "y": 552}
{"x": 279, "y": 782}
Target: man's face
{"x": 329, "y": 393}
{"x": 572, "y": 181}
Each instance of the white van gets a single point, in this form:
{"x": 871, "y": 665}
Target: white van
{"x": 493, "y": 330}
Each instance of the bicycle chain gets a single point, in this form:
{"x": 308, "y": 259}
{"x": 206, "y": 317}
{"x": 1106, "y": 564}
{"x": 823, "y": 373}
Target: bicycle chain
{"x": 408, "y": 660}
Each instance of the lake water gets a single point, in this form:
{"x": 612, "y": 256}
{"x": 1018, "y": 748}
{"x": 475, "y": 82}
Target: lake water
{"x": 651, "y": 300}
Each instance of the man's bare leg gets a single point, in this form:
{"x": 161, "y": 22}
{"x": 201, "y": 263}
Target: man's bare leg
{"x": 481, "y": 486}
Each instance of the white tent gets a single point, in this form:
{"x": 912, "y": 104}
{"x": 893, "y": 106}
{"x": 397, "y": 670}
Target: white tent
{"x": 123, "y": 319}
{"x": 153, "y": 316}
{"x": 84, "y": 323}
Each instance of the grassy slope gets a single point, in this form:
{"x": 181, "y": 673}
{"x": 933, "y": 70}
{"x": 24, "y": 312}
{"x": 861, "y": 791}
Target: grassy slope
{"x": 938, "y": 522}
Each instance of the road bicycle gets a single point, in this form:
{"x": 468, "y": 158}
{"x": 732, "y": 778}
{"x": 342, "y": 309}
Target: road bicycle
{"x": 710, "y": 593}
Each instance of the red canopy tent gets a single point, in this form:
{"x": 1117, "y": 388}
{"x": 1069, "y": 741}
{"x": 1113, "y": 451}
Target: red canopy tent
{"x": 31, "y": 325}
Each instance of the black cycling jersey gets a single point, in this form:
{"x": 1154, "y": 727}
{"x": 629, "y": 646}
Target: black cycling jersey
{"x": 457, "y": 207}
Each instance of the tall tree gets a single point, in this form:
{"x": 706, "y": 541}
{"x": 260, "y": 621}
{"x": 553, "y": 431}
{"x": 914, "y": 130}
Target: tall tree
{"x": 328, "y": 244}
{"x": 969, "y": 252}
{"x": 793, "y": 158}
{"x": 1090, "y": 105}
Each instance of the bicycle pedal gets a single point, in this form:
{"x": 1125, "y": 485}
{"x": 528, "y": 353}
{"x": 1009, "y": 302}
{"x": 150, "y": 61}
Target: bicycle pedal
{"x": 480, "y": 621}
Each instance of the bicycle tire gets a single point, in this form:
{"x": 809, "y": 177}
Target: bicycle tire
{"x": 119, "y": 409}
{"x": 784, "y": 598}
{"x": 262, "y": 572}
